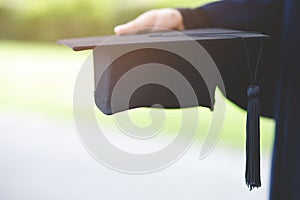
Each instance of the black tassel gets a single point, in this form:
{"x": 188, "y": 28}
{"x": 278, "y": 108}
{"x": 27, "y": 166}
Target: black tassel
{"x": 253, "y": 139}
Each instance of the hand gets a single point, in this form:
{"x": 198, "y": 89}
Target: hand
{"x": 153, "y": 20}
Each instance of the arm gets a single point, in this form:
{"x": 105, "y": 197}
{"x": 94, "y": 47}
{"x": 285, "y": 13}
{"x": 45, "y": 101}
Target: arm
{"x": 262, "y": 16}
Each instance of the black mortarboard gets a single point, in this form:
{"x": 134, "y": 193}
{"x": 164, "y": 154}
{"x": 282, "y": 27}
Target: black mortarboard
{"x": 225, "y": 47}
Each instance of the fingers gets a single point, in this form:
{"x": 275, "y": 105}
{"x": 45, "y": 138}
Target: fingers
{"x": 153, "y": 20}
{"x": 138, "y": 25}
{"x": 128, "y": 28}
{"x": 119, "y": 29}
{"x": 122, "y": 29}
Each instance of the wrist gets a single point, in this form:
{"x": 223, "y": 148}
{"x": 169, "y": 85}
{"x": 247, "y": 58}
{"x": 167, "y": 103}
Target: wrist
{"x": 179, "y": 19}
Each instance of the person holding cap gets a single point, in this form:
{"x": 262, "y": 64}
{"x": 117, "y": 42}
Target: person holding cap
{"x": 280, "y": 19}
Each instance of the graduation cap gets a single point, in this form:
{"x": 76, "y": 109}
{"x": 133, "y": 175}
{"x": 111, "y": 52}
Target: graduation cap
{"x": 235, "y": 53}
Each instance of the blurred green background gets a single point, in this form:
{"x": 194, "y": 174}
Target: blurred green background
{"x": 37, "y": 75}
{"x": 49, "y": 20}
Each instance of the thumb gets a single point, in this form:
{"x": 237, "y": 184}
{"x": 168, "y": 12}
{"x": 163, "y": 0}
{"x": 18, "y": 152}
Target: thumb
{"x": 132, "y": 27}
{"x": 128, "y": 28}
{"x": 120, "y": 29}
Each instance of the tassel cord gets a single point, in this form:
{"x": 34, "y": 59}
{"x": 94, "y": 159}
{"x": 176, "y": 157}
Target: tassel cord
{"x": 252, "y": 174}
{"x": 252, "y": 76}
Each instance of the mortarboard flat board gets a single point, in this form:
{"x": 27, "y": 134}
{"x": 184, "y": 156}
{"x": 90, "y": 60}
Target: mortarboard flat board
{"x": 232, "y": 52}
{"x": 224, "y": 46}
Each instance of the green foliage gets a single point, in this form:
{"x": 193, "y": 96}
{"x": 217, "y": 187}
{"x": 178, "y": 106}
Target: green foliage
{"x": 180, "y": 3}
{"x": 50, "y": 20}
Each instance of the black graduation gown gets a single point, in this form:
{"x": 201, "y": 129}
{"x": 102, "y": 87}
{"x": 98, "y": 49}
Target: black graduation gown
{"x": 278, "y": 75}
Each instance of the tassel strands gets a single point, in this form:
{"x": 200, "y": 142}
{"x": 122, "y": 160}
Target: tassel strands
{"x": 253, "y": 139}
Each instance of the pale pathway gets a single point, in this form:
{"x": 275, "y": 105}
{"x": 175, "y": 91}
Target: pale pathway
{"x": 43, "y": 159}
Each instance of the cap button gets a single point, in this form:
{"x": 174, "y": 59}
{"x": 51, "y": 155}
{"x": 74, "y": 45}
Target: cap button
{"x": 253, "y": 91}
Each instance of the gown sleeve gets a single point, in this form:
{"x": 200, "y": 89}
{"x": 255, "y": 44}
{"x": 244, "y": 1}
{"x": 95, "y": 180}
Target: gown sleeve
{"x": 260, "y": 15}
{"x": 248, "y": 15}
